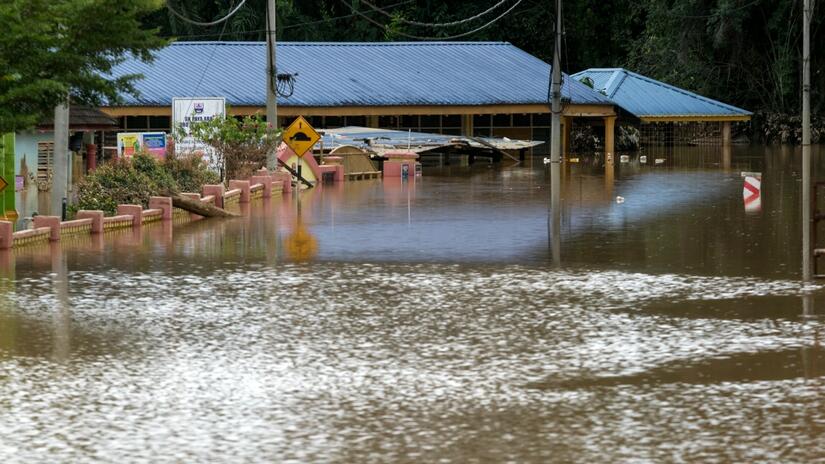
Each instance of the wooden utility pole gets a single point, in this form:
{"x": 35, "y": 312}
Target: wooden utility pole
{"x": 271, "y": 78}
{"x": 807, "y": 246}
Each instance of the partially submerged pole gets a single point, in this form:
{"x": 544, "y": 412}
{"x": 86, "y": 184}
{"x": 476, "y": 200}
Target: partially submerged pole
{"x": 807, "y": 246}
{"x": 60, "y": 160}
{"x": 555, "y": 93}
{"x": 555, "y": 145}
{"x": 271, "y": 80}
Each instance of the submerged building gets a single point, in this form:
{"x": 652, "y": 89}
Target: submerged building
{"x": 461, "y": 88}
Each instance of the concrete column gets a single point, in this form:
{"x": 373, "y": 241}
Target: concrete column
{"x": 567, "y": 127}
{"x": 610, "y": 137}
{"x": 60, "y": 166}
{"x": 372, "y": 121}
{"x": 467, "y": 125}
{"x": 726, "y": 139}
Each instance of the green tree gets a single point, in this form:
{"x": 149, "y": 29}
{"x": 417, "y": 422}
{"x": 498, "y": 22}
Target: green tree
{"x": 55, "y": 49}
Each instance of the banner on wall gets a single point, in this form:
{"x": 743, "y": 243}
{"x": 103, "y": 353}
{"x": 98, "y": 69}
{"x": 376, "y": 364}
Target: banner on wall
{"x": 129, "y": 143}
{"x": 186, "y": 111}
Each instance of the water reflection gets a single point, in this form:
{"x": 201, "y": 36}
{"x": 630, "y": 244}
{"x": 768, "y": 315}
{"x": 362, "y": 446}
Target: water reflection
{"x": 432, "y": 323}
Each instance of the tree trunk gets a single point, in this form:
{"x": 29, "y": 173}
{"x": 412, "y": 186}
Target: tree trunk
{"x": 198, "y": 207}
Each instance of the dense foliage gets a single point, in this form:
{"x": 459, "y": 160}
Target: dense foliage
{"x": 53, "y": 49}
{"x": 240, "y": 144}
{"x": 135, "y": 181}
{"x": 745, "y": 52}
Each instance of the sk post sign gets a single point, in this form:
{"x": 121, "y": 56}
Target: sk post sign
{"x": 300, "y": 136}
{"x": 186, "y": 111}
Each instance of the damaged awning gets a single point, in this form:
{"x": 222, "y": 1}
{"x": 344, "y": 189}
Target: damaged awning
{"x": 379, "y": 141}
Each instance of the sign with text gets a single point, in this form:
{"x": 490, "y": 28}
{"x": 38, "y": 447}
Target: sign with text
{"x": 129, "y": 143}
{"x": 300, "y": 136}
{"x": 186, "y": 111}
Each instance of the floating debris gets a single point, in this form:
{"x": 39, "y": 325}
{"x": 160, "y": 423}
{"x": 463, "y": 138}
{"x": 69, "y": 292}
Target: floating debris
{"x": 620, "y": 199}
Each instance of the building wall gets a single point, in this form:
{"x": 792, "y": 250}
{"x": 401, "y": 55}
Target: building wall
{"x": 30, "y": 200}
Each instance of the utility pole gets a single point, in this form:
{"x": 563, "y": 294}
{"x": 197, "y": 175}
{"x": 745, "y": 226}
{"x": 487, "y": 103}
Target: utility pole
{"x": 60, "y": 160}
{"x": 807, "y": 248}
{"x": 555, "y": 93}
{"x": 555, "y": 145}
{"x": 271, "y": 78}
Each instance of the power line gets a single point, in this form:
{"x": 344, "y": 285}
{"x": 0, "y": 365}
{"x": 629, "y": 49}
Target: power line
{"x": 291, "y": 26}
{"x": 448, "y": 24}
{"x": 418, "y": 37}
{"x": 205, "y": 24}
{"x": 747, "y": 5}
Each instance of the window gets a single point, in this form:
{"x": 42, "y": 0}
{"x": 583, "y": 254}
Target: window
{"x": 45, "y": 157}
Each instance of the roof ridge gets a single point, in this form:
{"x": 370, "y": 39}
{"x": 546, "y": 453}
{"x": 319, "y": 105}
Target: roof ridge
{"x": 338, "y": 44}
{"x": 686, "y": 92}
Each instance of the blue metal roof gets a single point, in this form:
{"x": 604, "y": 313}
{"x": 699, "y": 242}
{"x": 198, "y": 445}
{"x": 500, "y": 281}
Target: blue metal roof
{"x": 351, "y": 74}
{"x": 646, "y": 97}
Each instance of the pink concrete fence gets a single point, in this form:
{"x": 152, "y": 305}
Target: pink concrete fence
{"x": 51, "y": 228}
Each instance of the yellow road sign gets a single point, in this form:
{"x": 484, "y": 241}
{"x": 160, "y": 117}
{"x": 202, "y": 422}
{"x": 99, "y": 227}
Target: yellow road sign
{"x": 300, "y": 136}
{"x": 3, "y": 184}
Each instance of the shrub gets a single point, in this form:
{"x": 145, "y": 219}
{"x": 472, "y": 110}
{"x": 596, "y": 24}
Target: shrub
{"x": 240, "y": 145}
{"x": 190, "y": 172}
{"x": 135, "y": 181}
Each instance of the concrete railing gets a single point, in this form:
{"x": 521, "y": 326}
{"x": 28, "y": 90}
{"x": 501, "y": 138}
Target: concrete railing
{"x": 51, "y": 228}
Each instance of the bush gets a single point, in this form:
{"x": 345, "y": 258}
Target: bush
{"x": 240, "y": 145}
{"x": 135, "y": 181}
{"x": 190, "y": 172}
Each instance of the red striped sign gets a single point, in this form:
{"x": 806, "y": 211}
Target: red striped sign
{"x": 752, "y": 194}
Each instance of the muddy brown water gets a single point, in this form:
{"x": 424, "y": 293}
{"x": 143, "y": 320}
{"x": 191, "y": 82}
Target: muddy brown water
{"x": 428, "y": 321}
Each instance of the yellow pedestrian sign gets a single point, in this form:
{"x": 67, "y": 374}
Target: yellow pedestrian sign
{"x": 300, "y": 136}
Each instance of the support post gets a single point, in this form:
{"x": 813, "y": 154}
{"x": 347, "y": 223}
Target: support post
{"x": 467, "y": 125}
{"x": 610, "y": 137}
{"x": 726, "y": 137}
{"x": 807, "y": 246}
{"x": 565, "y": 135}
{"x": 271, "y": 78}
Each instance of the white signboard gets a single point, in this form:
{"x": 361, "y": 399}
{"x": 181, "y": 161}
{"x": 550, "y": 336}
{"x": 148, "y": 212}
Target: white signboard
{"x": 185, "y": 111}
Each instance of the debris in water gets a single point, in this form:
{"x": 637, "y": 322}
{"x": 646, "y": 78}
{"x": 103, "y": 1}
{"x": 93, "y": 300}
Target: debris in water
{"x": 619, "y": 199}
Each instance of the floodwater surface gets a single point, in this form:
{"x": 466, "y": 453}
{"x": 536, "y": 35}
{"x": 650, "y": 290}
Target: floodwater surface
{"x": 432, "y": 321}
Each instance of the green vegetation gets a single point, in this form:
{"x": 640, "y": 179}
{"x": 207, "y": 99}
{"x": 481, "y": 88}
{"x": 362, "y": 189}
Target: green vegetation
{"x": 240, "y": 144}
{"x": 55, "y": 49}
{"x": 742, "y": 52}
{"x": 135, "y": 181}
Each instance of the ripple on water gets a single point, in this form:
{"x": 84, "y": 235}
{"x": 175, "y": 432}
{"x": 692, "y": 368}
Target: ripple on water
{"x": 343, "y": 362}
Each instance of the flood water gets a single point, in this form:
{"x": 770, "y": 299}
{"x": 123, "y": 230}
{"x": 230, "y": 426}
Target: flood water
{"x": 431, "y": 321}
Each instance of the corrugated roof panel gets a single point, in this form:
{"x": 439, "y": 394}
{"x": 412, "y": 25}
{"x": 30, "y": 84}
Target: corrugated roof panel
{"x": 644, "y": 96}
{"x": 352, "y": 74}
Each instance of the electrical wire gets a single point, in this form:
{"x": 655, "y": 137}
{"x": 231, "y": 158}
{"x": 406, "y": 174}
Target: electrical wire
{"x": 208, "y": 63}
{"x": 747, "y": 5}
{"x": 448, "y": 24}
{"x": 418, "y": 37}
{"x": 289, "y": 26}
{"x": 210, "y": 23}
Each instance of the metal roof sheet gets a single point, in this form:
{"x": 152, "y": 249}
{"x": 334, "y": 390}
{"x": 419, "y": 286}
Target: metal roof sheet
{"x": 643, "y": 96}
{"x": 351, "y": 74}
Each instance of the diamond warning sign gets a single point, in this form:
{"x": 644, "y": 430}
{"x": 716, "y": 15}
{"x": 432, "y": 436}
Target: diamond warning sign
{"x": 300, "y": 136}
